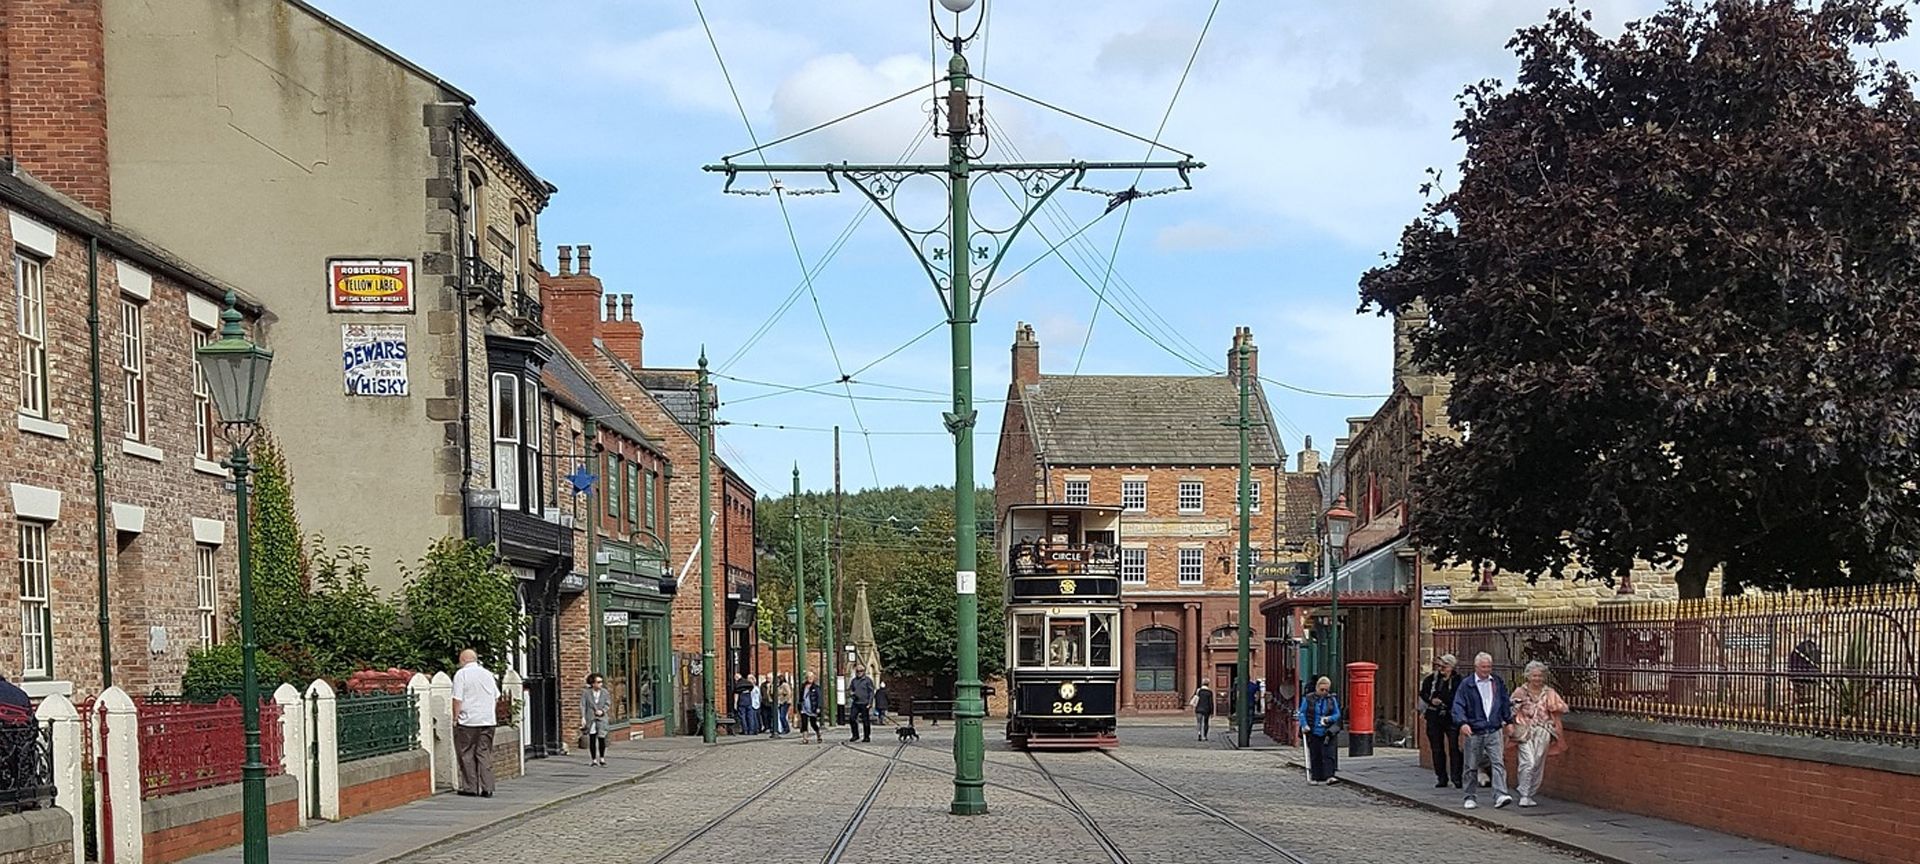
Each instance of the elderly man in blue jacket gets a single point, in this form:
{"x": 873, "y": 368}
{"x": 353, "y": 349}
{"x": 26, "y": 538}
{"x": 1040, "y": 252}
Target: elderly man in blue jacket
{"x": 1483, "y": 712}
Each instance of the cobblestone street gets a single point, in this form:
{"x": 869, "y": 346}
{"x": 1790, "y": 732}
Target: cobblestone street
{"x": 783, "y": 801}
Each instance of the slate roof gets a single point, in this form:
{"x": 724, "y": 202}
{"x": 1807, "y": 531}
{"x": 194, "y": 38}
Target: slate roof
{"x": 1302, "y": 521}
{"x": 676, "y": 391}
{"x": 1144, "y": 420}
{"x": 564, "y": 376}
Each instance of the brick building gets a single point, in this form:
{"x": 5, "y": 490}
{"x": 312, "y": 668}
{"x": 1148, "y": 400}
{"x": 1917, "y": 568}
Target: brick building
{"x": 117, "y": 515}
{"x": 613, "y": 607}
{"x": 1165, "y": 450}
{"x": 608, "y": 343}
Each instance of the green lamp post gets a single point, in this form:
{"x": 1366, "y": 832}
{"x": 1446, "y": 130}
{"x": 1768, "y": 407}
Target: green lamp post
{"x": 236, "y": 372}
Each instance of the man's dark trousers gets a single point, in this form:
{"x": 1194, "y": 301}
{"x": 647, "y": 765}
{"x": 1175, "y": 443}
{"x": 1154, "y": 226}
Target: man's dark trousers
{"x": 1444, "y": 742}
{"x": 860, "y": 717}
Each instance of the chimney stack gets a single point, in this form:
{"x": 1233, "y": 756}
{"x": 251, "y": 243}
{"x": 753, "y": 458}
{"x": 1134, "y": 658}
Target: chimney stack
{"x": 570, "y": 305}
{"x": 586, "y": 260}
{"x": 1309, "y": 457}
{"x": 54, "y": 98}
{"x": 566, "y": 261}
{"x": 1026, "y": 355}
{"x": 621, "y": 332}
{"x": 1243, "y": 335}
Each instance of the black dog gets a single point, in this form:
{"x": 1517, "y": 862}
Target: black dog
{"x": 907, "y": 733}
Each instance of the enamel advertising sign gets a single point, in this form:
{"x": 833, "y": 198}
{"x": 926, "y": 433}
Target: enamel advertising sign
{"x": 369, "y": 285}
{"x": 375, "y": 359}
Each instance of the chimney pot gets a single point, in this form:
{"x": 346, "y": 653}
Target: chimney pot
{"x": 566, "y": 260}
{"x": 613, "y": 308}
{"x": 586, "y": 259}
{"x": 626, "y": 307}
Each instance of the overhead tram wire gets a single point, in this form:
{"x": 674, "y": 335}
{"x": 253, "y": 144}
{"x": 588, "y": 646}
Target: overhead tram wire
{"x": 1165, "y": 116}
{"x": 792, "y": 237}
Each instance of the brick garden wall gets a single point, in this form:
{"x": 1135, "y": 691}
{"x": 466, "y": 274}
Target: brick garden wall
{"x": 506, "y": 753}
{"x": 190, "y": 823}
{"x": 1834, "y": 798}
{"x": 383, "y": 782}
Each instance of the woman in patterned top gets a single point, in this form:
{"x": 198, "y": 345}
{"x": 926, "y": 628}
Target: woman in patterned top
{"x": 1537, "y": 709}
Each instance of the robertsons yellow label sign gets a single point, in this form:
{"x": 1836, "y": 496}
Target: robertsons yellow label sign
{"x": 370, "y": 285}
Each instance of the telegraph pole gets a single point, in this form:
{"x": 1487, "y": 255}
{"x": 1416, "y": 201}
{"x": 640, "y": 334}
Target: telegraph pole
{"x": 1243, "y": 717}
{"x": 799, "y": 583}
{"x": 948, "y": 254}
{"x": 707, "y": 668}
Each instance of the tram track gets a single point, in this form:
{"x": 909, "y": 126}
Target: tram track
{"x": 721, "y": 818}
{"x": 1080, "y": 814}
{"x": 1213, "y": 813}
{"x": 845, "y": 839}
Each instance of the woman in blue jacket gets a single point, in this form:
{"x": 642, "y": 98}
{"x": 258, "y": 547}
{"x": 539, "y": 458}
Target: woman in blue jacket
{"x": 1320, "y": 724}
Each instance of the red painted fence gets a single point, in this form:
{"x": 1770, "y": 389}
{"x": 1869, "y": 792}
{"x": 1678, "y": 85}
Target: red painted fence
{"x": 186, "y": 746}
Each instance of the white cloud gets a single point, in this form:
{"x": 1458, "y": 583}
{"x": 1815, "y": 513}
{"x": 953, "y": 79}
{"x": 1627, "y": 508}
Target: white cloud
{"x": 679, "y": 66}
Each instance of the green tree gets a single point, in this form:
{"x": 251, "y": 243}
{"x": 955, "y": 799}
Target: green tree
{"x": 1674, "y": 288}
{"x": 459, "y": 597}
{"x": 279, "y": 551}
{"x": 350, "y": 626}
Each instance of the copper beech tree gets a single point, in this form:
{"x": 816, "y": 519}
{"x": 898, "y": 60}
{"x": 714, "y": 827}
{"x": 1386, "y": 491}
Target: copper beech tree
{"x": 1677, "y": 288}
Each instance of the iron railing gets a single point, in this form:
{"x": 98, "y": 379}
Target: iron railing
{"x": 1841, "y": 664}
{"x": 526, "y": 304}
{"x": 26, "y": 761}
{"x": 186, "y": 746}
{"x": 486, "y": 280}
{"x": 376, "y": 724}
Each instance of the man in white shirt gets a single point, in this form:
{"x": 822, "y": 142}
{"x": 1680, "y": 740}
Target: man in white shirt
{"x": 474, "y": 696}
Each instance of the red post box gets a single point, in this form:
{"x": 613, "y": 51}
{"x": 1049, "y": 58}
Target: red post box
{"x": 1360, "y": 708}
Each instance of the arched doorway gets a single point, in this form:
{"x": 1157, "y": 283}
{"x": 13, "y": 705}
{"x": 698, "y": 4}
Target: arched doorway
{"x": 1156, "y": 655}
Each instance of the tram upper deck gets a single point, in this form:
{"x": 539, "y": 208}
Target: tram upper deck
{"x": 1051, "y": 540}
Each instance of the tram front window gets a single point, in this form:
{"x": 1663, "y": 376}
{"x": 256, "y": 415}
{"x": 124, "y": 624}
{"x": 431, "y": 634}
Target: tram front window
{"x": 1028, "y": 639}
{"x": 1066, "y": 643}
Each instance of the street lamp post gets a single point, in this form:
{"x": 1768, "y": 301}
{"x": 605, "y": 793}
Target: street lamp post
{"x": 949, "y": 253}
{"x": 1243, "y": 697}
{"x": 236, "y": 371}
{"x": 1339, "y": 521}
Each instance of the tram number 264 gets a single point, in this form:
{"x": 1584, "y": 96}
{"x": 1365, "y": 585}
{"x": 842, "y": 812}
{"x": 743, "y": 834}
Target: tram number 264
{"x": 1069, "y": 707}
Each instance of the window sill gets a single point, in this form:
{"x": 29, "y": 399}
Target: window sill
{"x": 1185, "y": 512}
{"x": 42, "y": 427}
{"x": 43, "y": 688}
{"x": 144, "y": 451}
{"x": 213, "y": 469}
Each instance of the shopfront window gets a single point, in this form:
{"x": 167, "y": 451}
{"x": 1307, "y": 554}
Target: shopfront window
{"x": 1155, "y": 651}
{"x": 619, "y": 677}
{"x": 636, "y": 673}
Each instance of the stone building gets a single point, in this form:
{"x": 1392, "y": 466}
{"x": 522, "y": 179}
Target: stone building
{"x": 600, "y": 331}
{"x": 118, "y": 543}
{"x": 369, "y": 203}
{"x": 1164, "y": 449}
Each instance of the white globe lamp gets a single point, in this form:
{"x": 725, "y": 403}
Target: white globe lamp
{"x": 957, "y": 6}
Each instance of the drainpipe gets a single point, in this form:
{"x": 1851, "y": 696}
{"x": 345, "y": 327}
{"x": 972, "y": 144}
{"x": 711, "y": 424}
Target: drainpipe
{"x": 466, "y": 362}
{"x": 99, "y": 461}
{"x": 595, "y": 623}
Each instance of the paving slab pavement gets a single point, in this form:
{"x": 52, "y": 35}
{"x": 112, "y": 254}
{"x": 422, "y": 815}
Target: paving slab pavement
{"x": 395, "y": 833}
{"x": 1609, "y": 835}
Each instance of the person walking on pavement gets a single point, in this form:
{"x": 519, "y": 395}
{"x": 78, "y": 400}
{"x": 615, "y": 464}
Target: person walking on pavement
{"x": 860, "y": 713}
{"x": 1537, "y": 709}
{"x": 783, "y": 706}
{"x": 810, "y": 709}
{"x": 1202, "y": 704}
{"x": 880, "y": 703}
{"x": 595, "y": 701}
{"x": 475, "y": 698}
{"x": 1482, "y": 712}
{"x": 1320, "y": 722}
{"x": 1436, "y": 700}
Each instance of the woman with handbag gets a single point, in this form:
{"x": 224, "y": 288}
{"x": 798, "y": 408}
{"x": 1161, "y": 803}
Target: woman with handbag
{"x": 595, "y": 701}
{"x": 1537, "y": 709}
{"x": 1320, "y": 724}
{"x": 1202, "y": 704}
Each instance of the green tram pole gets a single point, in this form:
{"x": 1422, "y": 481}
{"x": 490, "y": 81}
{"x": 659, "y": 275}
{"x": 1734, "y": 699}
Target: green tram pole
{"x": 799, "y": 585}
{"x": 1243, "y": 717}
{"x": 960, "y": 257}
{"x": 707, "y": 668}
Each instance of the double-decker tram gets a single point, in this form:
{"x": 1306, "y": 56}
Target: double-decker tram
{"x": 1063, "y": 624}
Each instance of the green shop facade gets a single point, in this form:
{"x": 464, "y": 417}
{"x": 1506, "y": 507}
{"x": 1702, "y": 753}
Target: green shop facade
{"x": 636, "y": 594}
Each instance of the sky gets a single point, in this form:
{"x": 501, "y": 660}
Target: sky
{"x": 1317, "y": 123}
